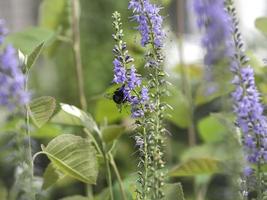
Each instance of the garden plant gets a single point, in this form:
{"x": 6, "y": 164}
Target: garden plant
{"x": 92, "y": 109}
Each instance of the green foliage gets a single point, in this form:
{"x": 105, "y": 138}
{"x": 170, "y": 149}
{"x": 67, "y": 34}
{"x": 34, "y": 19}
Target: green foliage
{"x": 27, "y": 40}
{"x": 261, "y": 25}
{"x": 106, "y": 109}
{"x": 74, "y": 156}
{"x": 51, "y": 176}
{"x": 41, "y": 109}
{"x": 72, "y": 115}
{"x": 111, "y": 133}
{"x": 211, "y": 130}
{"x": 180, "y": 112}
{"x": 31, "y": 59}
{"x": 195, "y": 167}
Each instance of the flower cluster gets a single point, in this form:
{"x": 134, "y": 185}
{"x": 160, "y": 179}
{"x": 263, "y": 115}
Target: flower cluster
{"x": 212, "y": 17}
{"x": 147, "y": 15}
{"x": 12, "y": 79}
{"x": 248, "y": 107}
{"x": 151, "y": 177}
{"x": 126, "y": 76}
{"x": 250, "y": 116}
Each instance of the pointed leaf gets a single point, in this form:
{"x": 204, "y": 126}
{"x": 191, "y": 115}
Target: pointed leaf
{"x": 41, "y": 109}
{"x": 74, "y": 156}
{"x": 196, "y": 167}
{"x": 33, "y": 56}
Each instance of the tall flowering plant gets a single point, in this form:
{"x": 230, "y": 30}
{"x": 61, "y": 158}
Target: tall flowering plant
{"x": 147, "y": 107}
{"x": 223, "y": 40}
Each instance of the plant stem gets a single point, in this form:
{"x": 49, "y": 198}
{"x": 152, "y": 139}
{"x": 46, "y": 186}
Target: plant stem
{"x": 109, "y": 178}
{"x": 77, "y": 51}
{"x": 113, "y": 164}
{"x": 184, "y": 71}
{"x": 29, "y": 145}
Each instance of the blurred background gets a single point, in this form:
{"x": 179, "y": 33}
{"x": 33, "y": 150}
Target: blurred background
{"x": 193, "y": 131}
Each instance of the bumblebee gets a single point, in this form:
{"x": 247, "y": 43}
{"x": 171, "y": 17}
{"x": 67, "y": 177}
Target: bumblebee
{"x": 119, "y": 96}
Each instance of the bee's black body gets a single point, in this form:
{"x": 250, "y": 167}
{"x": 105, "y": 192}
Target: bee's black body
{"x": 119, "y": 96}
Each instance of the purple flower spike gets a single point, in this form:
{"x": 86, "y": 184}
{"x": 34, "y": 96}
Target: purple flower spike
{"x": 133, "y": 80}
{"x": 212, "y": 17}
{"x": 149, "y": 20}
{"x": 12, "y": 79}
{"x": 119, "y": 72}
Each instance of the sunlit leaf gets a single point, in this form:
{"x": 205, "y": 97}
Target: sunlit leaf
{"x": 195, "y": 167}
{"x": 41, "y": 109}
{"x": 74, "y": 156}
{"x": 71, "y": 115}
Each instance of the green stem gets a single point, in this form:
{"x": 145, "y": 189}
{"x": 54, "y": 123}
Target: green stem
{"x": 77, "y": 51}
{"x": 29, "y": 146}
{"x": 113, "y": 164}
{"x": 109, "y": 178}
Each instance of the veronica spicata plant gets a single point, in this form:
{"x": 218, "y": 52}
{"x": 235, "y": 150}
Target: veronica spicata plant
{"x": 145, "y": 99}
{"x": 222, "y": 40}
{"x": 149, "y": 20}
{"x": 250, "y": 117}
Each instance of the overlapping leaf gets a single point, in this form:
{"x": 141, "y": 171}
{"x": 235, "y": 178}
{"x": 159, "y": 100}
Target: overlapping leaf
{"x": 41, "y": 109}
{"x": 74, "y": 156}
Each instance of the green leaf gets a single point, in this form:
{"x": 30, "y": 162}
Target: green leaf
{"x": 33, "y": 56}
{"x": 211, "y": 130}
{"x": 74, "y": 156}
{"x": 180, "y": 114}
{"x": 71, "y": 115}
{"x": 47, "y": 131}
{"x": 51, "y": 176}
{"x": 107, "y": 109}
{"x": 29, "y": 39}
{"x": 110, "y": 133}
{"x": 261, "y": 25}
{"x": 198, "y": 166}
{"x": 41, "y": 109}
